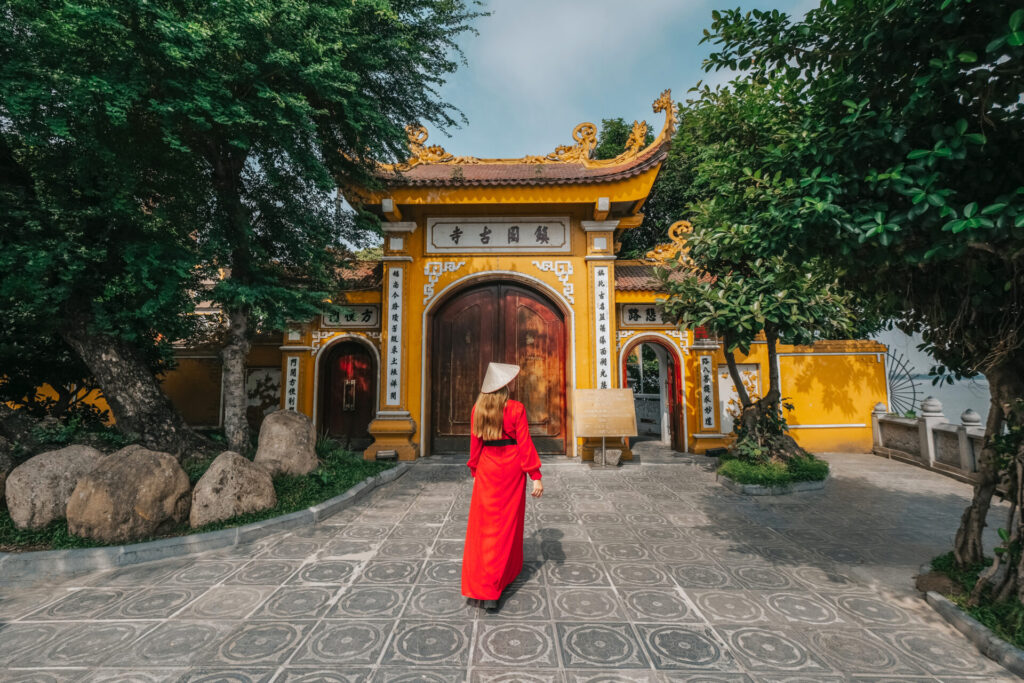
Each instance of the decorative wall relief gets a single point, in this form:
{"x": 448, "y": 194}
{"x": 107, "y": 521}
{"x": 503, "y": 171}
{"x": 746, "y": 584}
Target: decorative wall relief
{"x": 562, "y": 270}
{"x": 434, "y": 270}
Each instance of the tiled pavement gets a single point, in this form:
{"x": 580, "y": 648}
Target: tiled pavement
{"x": 650, "y": 572}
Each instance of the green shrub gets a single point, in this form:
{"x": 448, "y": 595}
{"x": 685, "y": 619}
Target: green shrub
{"x": 1006, "y": 619}
{"x": 775, "y": 473}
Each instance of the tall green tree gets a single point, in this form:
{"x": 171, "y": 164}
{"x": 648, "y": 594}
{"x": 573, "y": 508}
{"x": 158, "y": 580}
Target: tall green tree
{"x": 95, "y": 254}
{"x": 256, "y": 109}
{"x": 279, "y": 100}
{"x": 743, "y": 274}
{"x": 911, "y": 142}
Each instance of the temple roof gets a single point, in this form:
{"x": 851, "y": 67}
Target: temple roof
{"x": 639, "y": 276}
{"x": 361, "y": 275}
{"x": 432, "y": 166}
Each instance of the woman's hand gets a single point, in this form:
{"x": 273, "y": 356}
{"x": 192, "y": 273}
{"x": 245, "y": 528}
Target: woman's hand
{"x": 538, "y": 489}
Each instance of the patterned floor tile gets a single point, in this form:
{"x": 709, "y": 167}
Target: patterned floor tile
{"x": 265, "y": 572}
{"x": 685, "y": 646}
{"x": 259, "y": 643}
{"x": 296, "y": 602}
{"x": 80, "y": 604}
{"x": 770, "y": 649}
{"x": 82, "y": 644}
{"x": 575, "y": 574}
{"x": 402, "y": 572}
{"x": 342, "y": 644}
{"x": 585, "y": 603}
{"x": 859, "y": 651}
{"x": 228, "y": 675}
{"x": 227, "y": 602}
{"x": 370, "y": 602}
{"x": 173, "y": 643}
{"x": 422, "y": 643}
{"x": 325, "y": 572}
{"x": 515, "y": 645}
{"x": 605, "y": 645}
{"x": 324, "y": 675}
{"x": 521, "y": 603}
{"x": 659, "y": 604}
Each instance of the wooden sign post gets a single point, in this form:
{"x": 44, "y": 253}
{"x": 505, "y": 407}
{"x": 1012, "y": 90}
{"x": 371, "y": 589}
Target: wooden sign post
{"x": 604, "y": 413}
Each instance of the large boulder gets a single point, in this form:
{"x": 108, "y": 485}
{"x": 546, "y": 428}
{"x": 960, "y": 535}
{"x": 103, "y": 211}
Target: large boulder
{"x": 231, "y": 486}
{"x": 6, "y": 465}
{"x": 287, "y": 444}
{"x": 37, "y": 490}
{"x": 134, "y": 493}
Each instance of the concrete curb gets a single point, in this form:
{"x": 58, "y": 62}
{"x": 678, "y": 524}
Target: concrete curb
{"x": 990, "y": 645}
{"x": 42, "y": 564}
{"x": 758, "y": 490}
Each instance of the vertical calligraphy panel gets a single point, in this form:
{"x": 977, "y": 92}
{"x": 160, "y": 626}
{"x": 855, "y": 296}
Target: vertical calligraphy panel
{"x": 393, "y": 387}
{"x": 707, "y": 393}
{"x": 602, "y": 328}
{"x": 291, "y": 396}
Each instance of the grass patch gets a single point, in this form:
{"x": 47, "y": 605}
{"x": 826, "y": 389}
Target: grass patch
{"x": 775, "y": 473}
{"x": 338, "y": 472}
{"x": 1006, "y": 619}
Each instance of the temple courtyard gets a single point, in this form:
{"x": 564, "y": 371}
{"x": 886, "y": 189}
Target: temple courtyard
{"x": 648, "y": 572}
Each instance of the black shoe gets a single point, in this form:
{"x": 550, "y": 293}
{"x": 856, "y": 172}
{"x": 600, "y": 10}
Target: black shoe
{"x": 490, "y": 605}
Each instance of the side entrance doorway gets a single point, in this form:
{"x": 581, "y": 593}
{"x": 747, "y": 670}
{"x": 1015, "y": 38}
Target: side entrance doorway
{"x": 502, "y": 322}
{"x": 653, "y": 372}
{"x": 348, "y": 393}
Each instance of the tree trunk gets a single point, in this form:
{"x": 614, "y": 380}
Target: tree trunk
{"x": 138, "y": 404}
{"x": 228, "y": 164}
{"x": 1005, "y": 386}
{"x": 236, "y": 399}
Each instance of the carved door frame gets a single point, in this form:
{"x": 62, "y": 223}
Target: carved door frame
{"x": 678, "y": 425}
{"x": 453, "y": 290}
{"x": 318, "y": 373}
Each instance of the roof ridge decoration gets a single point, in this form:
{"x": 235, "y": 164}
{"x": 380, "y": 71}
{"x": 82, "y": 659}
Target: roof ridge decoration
{"x": 664, "y": 254}
{"x": 584, "y": 134}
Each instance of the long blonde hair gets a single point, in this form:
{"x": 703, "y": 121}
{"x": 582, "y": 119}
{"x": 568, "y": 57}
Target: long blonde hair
{"x": 489, "y": 414}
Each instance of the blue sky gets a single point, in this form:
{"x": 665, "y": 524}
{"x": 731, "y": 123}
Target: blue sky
{"x": 539, "y": 67}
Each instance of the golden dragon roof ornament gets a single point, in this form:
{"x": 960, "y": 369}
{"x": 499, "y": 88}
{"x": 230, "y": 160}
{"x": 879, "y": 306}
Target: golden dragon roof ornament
{"x": 585, "y": 136}
{"x": 666, "y": 254}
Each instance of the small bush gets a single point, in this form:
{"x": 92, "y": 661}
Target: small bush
{"x": 775, "y": 473}
{"x": 1006, "y": 619}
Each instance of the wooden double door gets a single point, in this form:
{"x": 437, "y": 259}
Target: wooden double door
{"x": 504, "y": 323}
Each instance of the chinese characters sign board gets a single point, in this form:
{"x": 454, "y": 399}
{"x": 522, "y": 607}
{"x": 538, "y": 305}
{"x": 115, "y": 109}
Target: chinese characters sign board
{"x": 394, "y": 327}
{"x": 602, "y": 328}
{"x": 353, "y": 316}
{"x": 707, "y": 393}
{"x": 643, "y": 315}
{"x": 291, "y": 396}
{"x": 497, "y": 235}
{"x": 605, "y": 412}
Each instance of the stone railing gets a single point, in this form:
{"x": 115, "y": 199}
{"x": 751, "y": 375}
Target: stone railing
{"x": 930, "y": 440}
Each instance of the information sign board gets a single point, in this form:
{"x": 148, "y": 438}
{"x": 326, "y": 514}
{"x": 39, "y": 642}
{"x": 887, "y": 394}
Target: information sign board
{"x": 605, "y": 412}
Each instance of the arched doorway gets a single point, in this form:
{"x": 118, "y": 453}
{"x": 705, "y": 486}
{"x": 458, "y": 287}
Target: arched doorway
{"x": 505, "y": 322}
{"x": 348, "y": 393}
{"x": 652, "y": 370}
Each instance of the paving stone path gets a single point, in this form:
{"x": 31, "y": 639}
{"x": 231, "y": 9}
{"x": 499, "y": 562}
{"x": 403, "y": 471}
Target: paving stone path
{"x": 651, "y": 572}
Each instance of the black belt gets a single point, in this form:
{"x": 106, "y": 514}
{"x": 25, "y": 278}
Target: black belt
{"x": 500, "y": 442}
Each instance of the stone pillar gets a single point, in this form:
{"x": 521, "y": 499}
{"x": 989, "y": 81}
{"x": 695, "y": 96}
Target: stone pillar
{"x": 879, "y": 411}
{"x": 968, "y": 420}
{"x": 931, "y": 415}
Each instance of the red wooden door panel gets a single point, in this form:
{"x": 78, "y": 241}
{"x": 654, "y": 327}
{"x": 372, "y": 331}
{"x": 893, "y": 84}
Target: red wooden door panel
{"x": 502, "y": 323}
{"x": 349, "y": 393}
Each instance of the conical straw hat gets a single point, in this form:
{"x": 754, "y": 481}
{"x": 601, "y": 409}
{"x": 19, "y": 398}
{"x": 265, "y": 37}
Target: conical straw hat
{"x": 498, "y": 375}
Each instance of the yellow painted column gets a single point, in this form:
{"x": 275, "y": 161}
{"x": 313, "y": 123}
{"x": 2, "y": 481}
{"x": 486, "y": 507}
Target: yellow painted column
{"x": 393, "y": 428}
